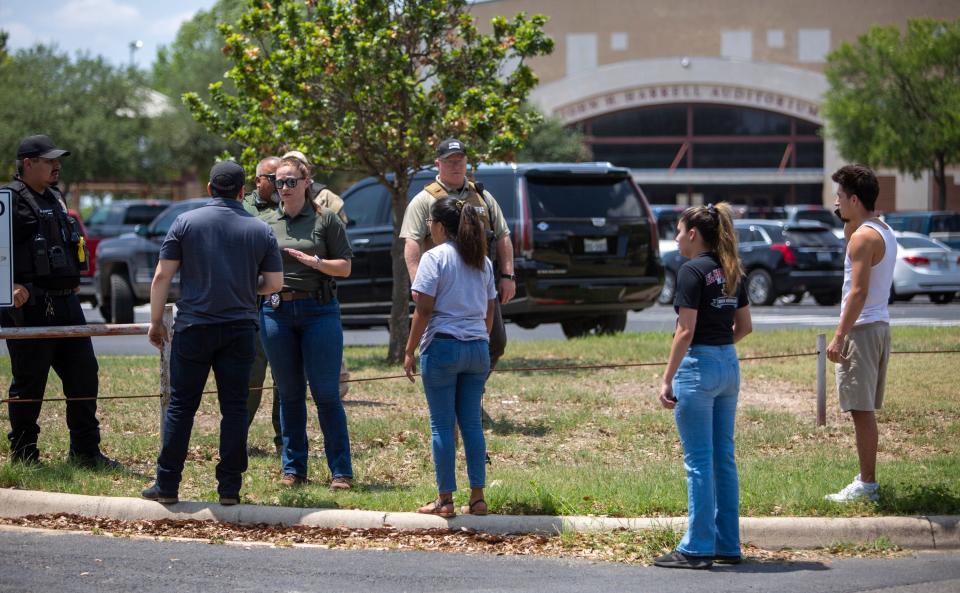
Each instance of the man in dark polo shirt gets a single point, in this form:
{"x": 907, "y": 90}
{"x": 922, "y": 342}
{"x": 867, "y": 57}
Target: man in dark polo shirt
{"x": 226, "y": 257}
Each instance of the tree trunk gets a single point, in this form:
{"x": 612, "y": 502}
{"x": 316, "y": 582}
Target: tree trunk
{"x": 939, "y": 175}
{"x": 400, "y": 295}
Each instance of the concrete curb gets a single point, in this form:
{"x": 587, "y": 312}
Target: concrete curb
{"x": 919, "y": 533}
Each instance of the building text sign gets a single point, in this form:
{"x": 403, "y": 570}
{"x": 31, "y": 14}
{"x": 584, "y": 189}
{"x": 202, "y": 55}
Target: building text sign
{"x": 689, "y": 93}
{"x": 6, "y": 248}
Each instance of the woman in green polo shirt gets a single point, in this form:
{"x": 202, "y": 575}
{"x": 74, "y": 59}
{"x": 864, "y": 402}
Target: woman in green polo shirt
{"x": 300, "y": 326}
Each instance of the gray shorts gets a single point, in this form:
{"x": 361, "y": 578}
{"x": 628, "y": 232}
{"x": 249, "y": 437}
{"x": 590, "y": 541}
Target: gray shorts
{"x": 862, "y": 374}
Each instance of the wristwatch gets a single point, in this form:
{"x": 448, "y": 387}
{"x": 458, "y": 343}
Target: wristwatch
{"x": 509, "y": 276}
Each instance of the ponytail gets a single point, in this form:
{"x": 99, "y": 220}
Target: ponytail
{"x": 715, "y": 225}
{"x": 728, "y": 252}
{"x": 461, "y": 221}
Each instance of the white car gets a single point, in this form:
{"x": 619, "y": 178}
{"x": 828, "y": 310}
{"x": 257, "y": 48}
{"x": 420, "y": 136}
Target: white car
{"x": 925, "y": 266}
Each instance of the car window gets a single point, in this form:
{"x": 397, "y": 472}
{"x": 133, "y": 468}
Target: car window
{"x": 913, "y": 224}
{"x": 811, "y": 238}
{"x": 582, "y": 197}
{"x": 945, "y": 223}
{"x": 827, "y": 218}
{"x": 162, "y": 223}
{"x": 365, "y": 206}
{"x": 667, "y": 223}
{"x": 143, "y": 214}
{"x": 775, "y": 232}
{"x": 99, "y": 216}
{"x": 501, "y": 187}
{"x": 749, "y": 235}
{"x": 918, "y": 243}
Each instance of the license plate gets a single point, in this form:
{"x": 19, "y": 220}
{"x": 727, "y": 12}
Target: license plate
{"x": 824, "y": 256}
{"x": 594, "y": 245}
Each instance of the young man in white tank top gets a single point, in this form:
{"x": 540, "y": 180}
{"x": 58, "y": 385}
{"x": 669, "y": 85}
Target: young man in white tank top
{"x": 861, "y": 346}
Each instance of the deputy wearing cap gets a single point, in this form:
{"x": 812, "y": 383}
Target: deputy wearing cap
{"x": 48, "y": 255}
{"x": 226, "y": 257}
{"x": 452, "y": 181}
{"x": 317, "y": 192}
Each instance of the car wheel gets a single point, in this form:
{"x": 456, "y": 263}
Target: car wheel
{"x": 827, "y": 299}
{"x": 121, "y": 300}
{"x": 893, "y": 296}
{"x": 941, "y": 298}
{"x": 614, "y": 323}
{"x": 760, "y": 288}
{"x": 576, "y": 328}
{"x": 669, "y": 287}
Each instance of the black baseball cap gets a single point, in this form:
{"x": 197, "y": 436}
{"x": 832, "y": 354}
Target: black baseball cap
{"x": 39, "y": 146}
{"x": 226, "y": 178}
{"x": 450, "y": 146}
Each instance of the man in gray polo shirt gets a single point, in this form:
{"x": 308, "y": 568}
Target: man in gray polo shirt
{"x": 226, "y": 257}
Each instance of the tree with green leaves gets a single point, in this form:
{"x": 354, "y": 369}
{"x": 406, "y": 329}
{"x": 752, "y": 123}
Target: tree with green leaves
{"x": 373, "y": 86}
{"x": 550, "y": 141}
{"x": 894, "y": 99}
{"x": 85, "y": 104}
{"x": 191, "y": 63}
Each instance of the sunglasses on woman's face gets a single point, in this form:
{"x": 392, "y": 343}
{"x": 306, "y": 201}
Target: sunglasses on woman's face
{"x": 290, "y": 182}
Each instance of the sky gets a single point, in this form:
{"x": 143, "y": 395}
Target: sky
{"x": 100, "y": 27}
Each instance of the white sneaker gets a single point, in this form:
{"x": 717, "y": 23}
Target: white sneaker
{"x": 855, "y": 491}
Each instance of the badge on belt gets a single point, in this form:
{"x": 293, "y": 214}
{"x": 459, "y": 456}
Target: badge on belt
{"x": 275, "y": 300}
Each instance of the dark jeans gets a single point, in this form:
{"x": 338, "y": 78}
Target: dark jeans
{"x": 299, "y": 336}
{"x": 258, "y": 374}
{"x": 227, "y": 348}
{"x": 74, "y": 362}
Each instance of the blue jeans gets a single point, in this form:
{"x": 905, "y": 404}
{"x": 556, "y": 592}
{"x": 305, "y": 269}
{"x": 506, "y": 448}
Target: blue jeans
{"x": 706, "y": 387}
{"x": 306, "y": 335}
{"x": 454, "y": 373}
{"x": 228, "y": 348}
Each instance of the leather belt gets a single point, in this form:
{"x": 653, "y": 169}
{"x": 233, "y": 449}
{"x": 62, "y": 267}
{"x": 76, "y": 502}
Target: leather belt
{"x": 298, "y": 295}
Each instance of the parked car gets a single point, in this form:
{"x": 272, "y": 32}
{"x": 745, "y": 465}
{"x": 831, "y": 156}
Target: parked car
{"x": 924, "y": 266}
{"x": 779, "y": 258}
{"x": 815, "y": 213}
{"x": 585, "y": 246}
{"x": 111, "y": 220}
{"x": 87, "y": 291}
{"x": 122, "y": 216}
{"x": 125, "y": 264}
{"x": 667, "y": 216}
{"x": 940, "y": 225}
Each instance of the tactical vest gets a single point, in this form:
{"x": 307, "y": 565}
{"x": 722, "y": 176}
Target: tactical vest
{"x": 58, "y": 250}
{"x": 474, "y": 198}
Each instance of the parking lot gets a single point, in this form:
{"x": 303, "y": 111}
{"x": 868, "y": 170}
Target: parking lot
{"x": 657, "y": 318}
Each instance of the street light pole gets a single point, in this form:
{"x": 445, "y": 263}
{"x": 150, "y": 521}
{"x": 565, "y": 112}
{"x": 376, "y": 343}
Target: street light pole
{"x": 134, "y": 46}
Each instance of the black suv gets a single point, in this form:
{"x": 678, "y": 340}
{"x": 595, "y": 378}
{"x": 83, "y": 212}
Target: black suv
{"x": 584, "y": 240}
{"x": 125, "y": 264}
{"x": 780, "y": 258}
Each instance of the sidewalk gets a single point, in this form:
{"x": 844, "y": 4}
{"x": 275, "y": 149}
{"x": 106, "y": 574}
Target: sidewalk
{"x": 918, "y": 533}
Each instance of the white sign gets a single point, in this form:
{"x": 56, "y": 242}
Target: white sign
{"x": 728, "y": 94}
{"x": 6, "y": 248}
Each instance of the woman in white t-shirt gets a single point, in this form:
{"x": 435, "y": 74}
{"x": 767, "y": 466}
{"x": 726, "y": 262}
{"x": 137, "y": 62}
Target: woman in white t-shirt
{"x": 455, "y": 302}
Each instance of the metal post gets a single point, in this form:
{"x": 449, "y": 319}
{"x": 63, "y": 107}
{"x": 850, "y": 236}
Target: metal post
{"x": 821, "y": 379}
{"x": 165, "y": 365}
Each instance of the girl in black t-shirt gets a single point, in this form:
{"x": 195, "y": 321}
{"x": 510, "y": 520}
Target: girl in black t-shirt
{"x": 702, "y": 382}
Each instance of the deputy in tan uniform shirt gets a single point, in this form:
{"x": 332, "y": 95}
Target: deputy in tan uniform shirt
{"x": 451, "y": 180}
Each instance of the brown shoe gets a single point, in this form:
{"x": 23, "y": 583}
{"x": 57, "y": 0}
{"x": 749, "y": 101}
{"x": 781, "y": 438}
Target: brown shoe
{"x": 341, "y": 483}
{"x": 292, "y": 480}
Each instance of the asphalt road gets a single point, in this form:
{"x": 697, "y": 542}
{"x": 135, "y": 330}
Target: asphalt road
{"x": 657, "y": 318}
{"x": 50, "y": 561}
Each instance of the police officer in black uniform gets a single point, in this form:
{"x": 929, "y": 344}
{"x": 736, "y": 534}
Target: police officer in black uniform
{"x": 48, "y": 255}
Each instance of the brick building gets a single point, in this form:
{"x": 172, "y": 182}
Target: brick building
{"x": 710, "y": 100}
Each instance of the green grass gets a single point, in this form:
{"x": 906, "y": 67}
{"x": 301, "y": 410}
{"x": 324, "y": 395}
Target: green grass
{"x": 562, "y": 441}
